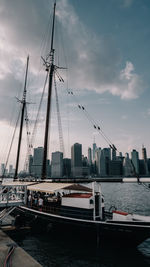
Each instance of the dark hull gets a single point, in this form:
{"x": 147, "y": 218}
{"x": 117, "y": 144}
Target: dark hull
{"x": 132, "y": 233}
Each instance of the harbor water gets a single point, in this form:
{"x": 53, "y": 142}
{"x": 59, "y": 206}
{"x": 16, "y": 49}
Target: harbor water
{"x": 52, "y": 250}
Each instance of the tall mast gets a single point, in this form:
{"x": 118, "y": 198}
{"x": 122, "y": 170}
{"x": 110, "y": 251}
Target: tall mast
{"x": 23, "y": 102}
{"x": 50, "y": 66}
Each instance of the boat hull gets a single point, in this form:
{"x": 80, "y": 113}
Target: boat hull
{"x": 132, "y": 233}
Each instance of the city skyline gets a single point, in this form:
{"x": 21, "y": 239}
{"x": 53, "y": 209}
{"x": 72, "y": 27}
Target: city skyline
{"x": 91, "y": 156}
{"x": 108, "y": 51}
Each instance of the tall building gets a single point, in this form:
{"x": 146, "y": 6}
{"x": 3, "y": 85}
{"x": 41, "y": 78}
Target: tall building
{"x": 30, "y": 170}
{"x": 76, "y": 160}
{"x": 115, "y": 167}
{"x": 128, "y": 169}
{"x": 144, "y": 156}
{"x": 2, "y": 168}
{"x": 90, "y": 156}
{"x": 135, "y": 160}
{"x": 66, "y": 167}
{"x": 107, "y": 157}
{"x": 103, "y": 157}
{"x": 57, "y": 165}
{"x": 113, "y": 157}
{"x": 37, "y": 161}
{"x": 97, "y": 160}
{"x": 141, "y": 167}
{"x": 94, "y": 151}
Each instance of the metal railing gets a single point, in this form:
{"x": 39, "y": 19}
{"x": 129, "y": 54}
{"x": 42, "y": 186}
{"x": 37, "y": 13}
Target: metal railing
{"x": 13, "y": 195}
{"x": 67, "y": 212}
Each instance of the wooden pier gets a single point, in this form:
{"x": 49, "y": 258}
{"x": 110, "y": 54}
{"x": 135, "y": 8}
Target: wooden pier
{"x": 9, "y": 251}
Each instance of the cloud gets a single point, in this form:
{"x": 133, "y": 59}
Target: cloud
{"x": 93, "y": 61}
{"x": 127, "y": 3}
{"x": 129, "y": 85}
{"x": 124, "y": 117}
{"x": 148, "y": 111}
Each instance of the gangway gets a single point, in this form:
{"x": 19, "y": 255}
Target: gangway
{"x": 12, "y": 195}
{"x": 4, "y": 214}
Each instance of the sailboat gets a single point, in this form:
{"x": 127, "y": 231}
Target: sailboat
{"x": 76, "y": 205}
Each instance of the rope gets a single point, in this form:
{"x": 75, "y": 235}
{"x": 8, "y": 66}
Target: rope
{"x": 8, "y": 260}
{"x": 93, "y": 122}
{"x": 39, "y": 109}
{"x": 11, "y": 144}
{"x": 59, "y": 118}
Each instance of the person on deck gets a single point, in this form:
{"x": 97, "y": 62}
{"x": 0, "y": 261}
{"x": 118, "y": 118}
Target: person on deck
{"x": 29, "y": 200}
{"x": 40, "y": 202}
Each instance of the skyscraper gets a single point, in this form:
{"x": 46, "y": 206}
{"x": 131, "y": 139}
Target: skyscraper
{"x": 66, "y": 167}
{"x": 144, "y": 156}
{"x": 94, "y": 151}
{"x": 2, "y": 168}
{"x": 113, "y": 154}
{"x": 37, "y": 161}
{"x": 135, "y": 160}
{"x": 127, "y": 166}
{"x": 89, "y": 156}
{"x": 97, "y": 159}
{"x": 76, "y": 160}
{"x": 103, "y": 157}
{"x": 30, "y": 170}
{"x": 57, "y": 165}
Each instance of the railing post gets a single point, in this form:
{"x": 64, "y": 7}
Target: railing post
{"x": 25, "y": 194}
{"x": 93, "y": 192}
{"x": 7, "y": 196}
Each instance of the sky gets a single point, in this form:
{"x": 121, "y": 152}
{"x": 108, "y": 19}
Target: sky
{"x": 105, "y": 47}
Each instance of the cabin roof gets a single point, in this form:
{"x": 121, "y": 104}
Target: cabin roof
{"x": 79, "y": 187}
{"x": 17, "y": 183}
{"x": 52, "y": 187}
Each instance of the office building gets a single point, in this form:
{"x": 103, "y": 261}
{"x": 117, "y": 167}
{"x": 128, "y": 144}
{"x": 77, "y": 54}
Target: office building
{"x": 113, "y": 157}
{"x": 90, "y": 156}
{"x": 76, "y": 160}
{"x": 30, "y": 165}
{"x": 2, "y": 169}
{"x": 135, "y": 160}
{"x": 144, "y": 157}
{"x": 128, "y": 169}
{"x": 115, "y": 167}
{"x": 38, "y": 161}
{"x": 57, "y": 165}
{"x": 94, "y": 151}
{"x": 66, "y": 167}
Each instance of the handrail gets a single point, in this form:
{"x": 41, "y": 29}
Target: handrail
{"x": 59, "y": 210}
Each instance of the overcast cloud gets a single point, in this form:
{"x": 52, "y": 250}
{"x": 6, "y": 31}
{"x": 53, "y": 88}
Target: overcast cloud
{"x": 95, "y": 63}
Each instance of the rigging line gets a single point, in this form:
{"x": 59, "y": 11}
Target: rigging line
{"x": 11, "y": 144}
{"x": 94, "y": 123}
{"x": 68, "y": 115}
{"x": 61, "y": 41}
{"x": 97, "y": 127}
{"x": 39, "y": 109}
{"x": 59, "y": 118}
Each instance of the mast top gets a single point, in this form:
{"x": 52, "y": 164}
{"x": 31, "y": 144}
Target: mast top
{"x": 50, "y": 68}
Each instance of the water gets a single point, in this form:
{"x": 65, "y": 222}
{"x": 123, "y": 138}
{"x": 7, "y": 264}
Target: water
{"x": 53, "y": 251}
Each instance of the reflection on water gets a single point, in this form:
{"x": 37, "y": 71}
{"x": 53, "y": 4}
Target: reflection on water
{"x": 51, "y": 250}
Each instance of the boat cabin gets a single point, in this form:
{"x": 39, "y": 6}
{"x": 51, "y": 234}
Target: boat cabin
{"x": 66, "y": 199}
